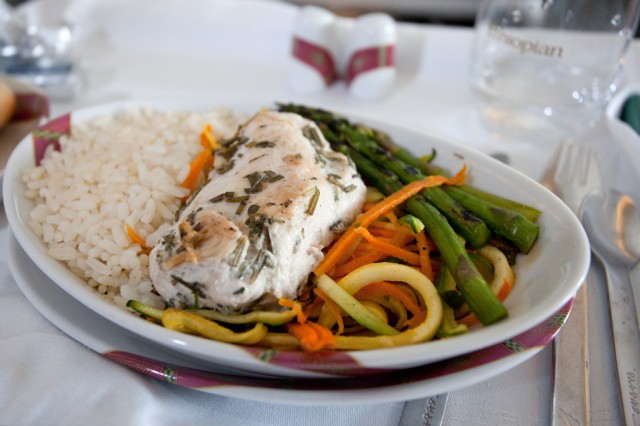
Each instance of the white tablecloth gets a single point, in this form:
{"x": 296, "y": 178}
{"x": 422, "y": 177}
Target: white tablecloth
{"x": 223, "y": 48}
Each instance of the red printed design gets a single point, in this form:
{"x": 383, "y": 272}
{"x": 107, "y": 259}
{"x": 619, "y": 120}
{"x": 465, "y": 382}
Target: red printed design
{"x": 536, "y": 337}
{"x": 317, "y": 57}
{"x": 50, "y": 134}
{"x": 331, "y": 362}
{"x": 369, "y": 59}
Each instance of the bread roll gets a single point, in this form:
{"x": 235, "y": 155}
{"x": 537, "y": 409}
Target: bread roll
{"x": 7, "y": 103}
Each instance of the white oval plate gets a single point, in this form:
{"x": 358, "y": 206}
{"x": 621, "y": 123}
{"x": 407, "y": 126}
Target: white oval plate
{"x": 124, "y": 347}
{"x": 547, "y": 277}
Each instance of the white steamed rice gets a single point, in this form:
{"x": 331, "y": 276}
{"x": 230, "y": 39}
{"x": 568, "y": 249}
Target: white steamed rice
{"x": 113, "y": 171}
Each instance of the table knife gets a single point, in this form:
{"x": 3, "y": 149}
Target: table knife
{"x": 571, "y": 360}
{"x": 424, "y": 412}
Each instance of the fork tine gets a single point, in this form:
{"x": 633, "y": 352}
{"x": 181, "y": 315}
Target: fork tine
{"x": 571, "y": 175}
{"x": 593, "y": 177}
{"x": 562, "y": 171}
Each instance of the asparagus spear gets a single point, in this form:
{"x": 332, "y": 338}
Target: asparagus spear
{"x": 470, "y": 226}
{"x": 482, "y": 302}
{"x": 505, "y": 223}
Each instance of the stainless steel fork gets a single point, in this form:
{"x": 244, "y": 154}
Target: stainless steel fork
{"x": 572, "y": 178}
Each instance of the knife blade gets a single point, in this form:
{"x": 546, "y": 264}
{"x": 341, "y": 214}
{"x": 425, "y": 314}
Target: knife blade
{"x": 425, "y": 412}
{"x": 571, "y": 361}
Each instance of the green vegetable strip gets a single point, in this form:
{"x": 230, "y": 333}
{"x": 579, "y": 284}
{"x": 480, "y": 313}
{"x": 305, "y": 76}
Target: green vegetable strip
{"x": 353, "y": 307}
{"x": 253, "y": 317}
{"x": 145, "y": 310}
{"x": 464, "y": 221}
{"x": 482, "y": 302}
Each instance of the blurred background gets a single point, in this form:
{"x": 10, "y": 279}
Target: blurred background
{"x": 454, "y": 12}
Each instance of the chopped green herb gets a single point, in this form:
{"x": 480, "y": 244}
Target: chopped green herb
{"x": 257, "y": 158}
{"x": 313, "y": 202}
{"x": 238, "y": 252}
{"x": 226, "y": 166}
{"x": 261, "y": 144}
{"x": 312, "y": 134}
{"x": 241, "y": 207}
{"x": 217, "y": 198}
{"x": 237, "y": 198}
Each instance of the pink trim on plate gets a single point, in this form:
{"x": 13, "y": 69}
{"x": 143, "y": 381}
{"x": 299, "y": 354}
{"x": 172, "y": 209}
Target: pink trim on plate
{"x": 49, "y": 134}
{"x": 538, "y": 336}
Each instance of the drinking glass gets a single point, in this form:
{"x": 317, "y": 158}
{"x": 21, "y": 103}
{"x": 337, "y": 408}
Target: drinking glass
{"x": 548, "y": 68}
{"x": 35, "y": 47}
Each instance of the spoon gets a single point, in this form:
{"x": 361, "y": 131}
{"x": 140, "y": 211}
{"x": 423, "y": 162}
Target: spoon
{"x": 612, "y": 222}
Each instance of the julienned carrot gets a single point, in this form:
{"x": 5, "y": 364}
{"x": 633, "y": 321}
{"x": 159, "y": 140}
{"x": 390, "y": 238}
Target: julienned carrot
{"x": 395, "y": 227}
{"x": 399, "y": 239}
{"x": 382, "y": 232}
{"x": 197, "y": 166}
{"x": 313, "y": 337}
{"x": 423, "y": 251}
{"x": 388, "y": 248}
{"x": 300, "y": 316}
{"x": 207, "y": 139}
{"x": 137, "y": 238}
{"x": 504, "y": 291}
{"x": 313, "y": 309}
{"x": 356, "y": 263}
{"x": 382, "y": 207}
{"x": 391, "y": 216}
{"x": 335, "y": 310}
{"x": 383, "y": 288}
{"x": 368, "y": 205}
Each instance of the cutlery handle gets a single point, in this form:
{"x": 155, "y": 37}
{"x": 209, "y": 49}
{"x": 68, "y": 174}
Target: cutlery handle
{"x": 626, "y": 339}
{"x": 634, "y": 277}
{"x": 571, "y": 375}
{"x": 425, "y": 411}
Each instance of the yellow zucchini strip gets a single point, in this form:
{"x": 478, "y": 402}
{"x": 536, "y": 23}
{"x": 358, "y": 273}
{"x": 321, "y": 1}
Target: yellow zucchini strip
{"x": 385, "y": 271}
{"x": 266, "y": 317}
{"x": 188, "y": 322}
{"x": 502, "y": 272}
{"x": 394, "y": 306}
